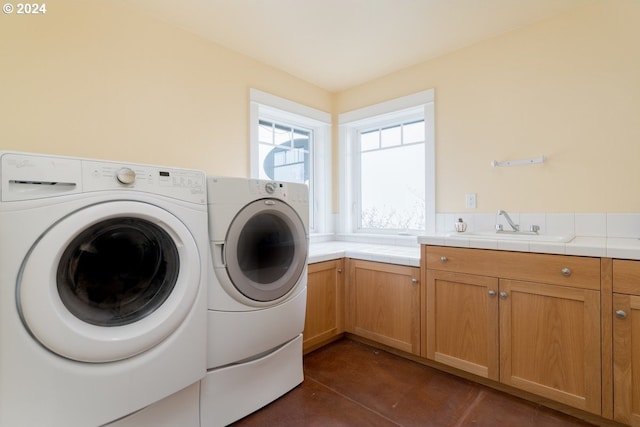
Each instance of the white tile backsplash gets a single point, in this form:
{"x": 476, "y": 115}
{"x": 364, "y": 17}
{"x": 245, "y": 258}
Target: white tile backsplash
{"x": 475, "y": 222}
{"x": 591, "y": 224}
{"x": 485, "y": 221}
{"x": 563, "y": 223}
{"x": 441, "y": 222}
{"x": 529, "y": 219}
{"x": 613, "y": 225}
{"x": 623, "y": 225}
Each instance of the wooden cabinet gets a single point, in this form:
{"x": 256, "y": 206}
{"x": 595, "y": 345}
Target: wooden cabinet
{"x": 383, "y": 303}
{"x": 462, "y": 322}
{"x": 626, "y": 341}
{"x": 531, "y": 321}
{"x": 325, "y": 304}
{"x": 550, "y": 342}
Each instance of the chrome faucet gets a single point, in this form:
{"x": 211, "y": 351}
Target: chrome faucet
{"x": 514, "y": 226}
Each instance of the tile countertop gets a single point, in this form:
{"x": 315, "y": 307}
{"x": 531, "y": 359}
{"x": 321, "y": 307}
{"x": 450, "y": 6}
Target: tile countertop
{"x": 625, "y": 248}
{"x": 391, "y": 254}
{"x": 622, "y": 248}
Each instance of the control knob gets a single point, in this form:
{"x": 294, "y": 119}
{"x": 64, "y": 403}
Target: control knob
{"x": 270, "y": 187}
{"x": 126, "y": 176}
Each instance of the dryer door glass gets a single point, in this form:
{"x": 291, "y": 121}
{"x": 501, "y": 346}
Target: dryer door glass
{"x": 266, "y": 250}
{"x": 117, "y": 271}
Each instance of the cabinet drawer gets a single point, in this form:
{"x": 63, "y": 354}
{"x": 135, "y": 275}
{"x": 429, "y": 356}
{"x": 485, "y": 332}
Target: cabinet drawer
{"x": 459, "y": 260}
{"x": 626, "y": 276}
{"x": 562, "y": 270}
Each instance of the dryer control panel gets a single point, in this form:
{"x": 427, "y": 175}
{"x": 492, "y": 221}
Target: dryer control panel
{"x": 279, "y": 190}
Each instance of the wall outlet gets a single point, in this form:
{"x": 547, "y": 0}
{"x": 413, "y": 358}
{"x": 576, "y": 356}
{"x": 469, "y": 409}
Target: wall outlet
{"x": 470, "y": 201}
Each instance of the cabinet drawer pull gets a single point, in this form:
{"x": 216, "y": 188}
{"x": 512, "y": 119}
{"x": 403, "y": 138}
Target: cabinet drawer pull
{"x": 566, "y": 272}
{"x": 443, "y": 259}
{"x": 503, "y": 295}
{"x": 414, "y": 281}
{"x": 621, "y": 314}
{"x": 492, "y": 293}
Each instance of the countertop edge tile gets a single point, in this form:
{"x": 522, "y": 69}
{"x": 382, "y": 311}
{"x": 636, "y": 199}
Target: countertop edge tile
{"x": 612, "y": 247}
{"x": 391, "y": 254}
{"x": 603, "y": 247}
{"x": 548, "y": 248}
{"x": 483, "y": 244}
{"x": 517, "y": 246}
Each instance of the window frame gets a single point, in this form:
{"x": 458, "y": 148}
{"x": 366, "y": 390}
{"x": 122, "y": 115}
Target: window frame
{"x": 395, "y": 111}
{"x": 265, "y": 106}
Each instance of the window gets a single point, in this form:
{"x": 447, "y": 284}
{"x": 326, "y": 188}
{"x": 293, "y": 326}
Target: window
{"x": 291, "y": 142}
{"x": 284, "y": 152}
{"x": 388, "y": 174}
{"x": 391, "y": 161}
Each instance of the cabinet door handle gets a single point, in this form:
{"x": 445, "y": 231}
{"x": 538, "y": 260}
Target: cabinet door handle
{"x": 503, "y": 295}
{"x": 443, "y": 259}
{"x": 566, "y": 272}
{"x": 414, "y": 281}
{"x": 339, "y": 270}
{"x": 492, "y": 293}
{"x": 621, "y": 314}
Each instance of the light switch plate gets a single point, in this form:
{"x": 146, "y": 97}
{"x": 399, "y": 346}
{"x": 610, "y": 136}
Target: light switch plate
{"x": 470, "y": 200}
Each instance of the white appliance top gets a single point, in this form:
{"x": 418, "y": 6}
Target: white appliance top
{"x": 35, "y": 176}
{"x": 222, "y": 190}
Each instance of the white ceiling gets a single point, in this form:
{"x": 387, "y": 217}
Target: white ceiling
{"x": 338, "y": 44}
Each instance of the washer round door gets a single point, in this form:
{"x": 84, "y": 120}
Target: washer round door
{"x": 266, "y": 250}
{"x": 109, "y": 281}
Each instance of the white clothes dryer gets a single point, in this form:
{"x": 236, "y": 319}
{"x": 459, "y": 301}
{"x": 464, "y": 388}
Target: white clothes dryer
{"x": 259, "y": 232}
{"x": 102, "y": 287}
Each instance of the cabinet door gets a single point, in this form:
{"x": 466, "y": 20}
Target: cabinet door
{"x": 325, "y": 289}
{"x": 384, "y": 304}
{"x": 626, "y": 359}
{"x": 550, "y": 342}
{"x": 462, "y": 322}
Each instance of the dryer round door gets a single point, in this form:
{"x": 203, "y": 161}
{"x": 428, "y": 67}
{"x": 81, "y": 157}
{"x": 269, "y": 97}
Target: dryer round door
{"x": 109, "y": 281}
{"x": 266, "y": 250}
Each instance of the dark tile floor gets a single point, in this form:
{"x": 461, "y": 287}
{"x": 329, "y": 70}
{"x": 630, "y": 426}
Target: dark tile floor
{"x": 348, "y": 383}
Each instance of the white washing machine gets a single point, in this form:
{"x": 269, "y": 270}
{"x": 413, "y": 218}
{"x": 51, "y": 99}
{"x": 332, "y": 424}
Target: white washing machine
{"x": 102, "y": 288}
{"x": 181, "y": 409}
{"x": 259, "y": 233}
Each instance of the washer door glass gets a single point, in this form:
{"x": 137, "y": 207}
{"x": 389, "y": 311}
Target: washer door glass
{"x": 109, "y": 281}
{"x": 266, "y": 250}
{"x": 117, "y": 271}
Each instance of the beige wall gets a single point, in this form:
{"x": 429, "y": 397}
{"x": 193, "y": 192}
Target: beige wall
{"x": 99, "y": 79}
{"x": 568, "y": 88}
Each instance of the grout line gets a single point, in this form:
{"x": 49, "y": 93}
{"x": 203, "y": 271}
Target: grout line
{"x": 306, "y": 376}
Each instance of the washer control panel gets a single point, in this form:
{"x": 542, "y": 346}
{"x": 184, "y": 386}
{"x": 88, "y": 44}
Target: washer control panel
{"x": 126, "y": 175}
{"x": 30, "y": 176}
{"x": 183, "y": 184}
{"x": 27, "y": 176}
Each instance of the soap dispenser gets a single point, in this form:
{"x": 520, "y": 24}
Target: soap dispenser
{"x": 461, "y": 226}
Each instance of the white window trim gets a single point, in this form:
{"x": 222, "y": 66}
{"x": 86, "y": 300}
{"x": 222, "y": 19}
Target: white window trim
{"x": 262, "y": 104}
{"x": 350, "y": 121}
